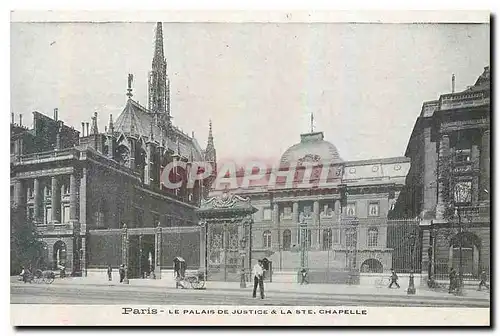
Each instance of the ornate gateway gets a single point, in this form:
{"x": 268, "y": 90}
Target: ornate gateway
{"x": 226, "y": 220}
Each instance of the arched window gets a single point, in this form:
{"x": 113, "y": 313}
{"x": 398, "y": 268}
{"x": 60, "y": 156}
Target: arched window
{"x": 372, "y": 237}
{"x": 287, "y": 239}
{"x": 327, "y": 239}
{"x": 123, "y": 154}
{"x": 266, "y": 238}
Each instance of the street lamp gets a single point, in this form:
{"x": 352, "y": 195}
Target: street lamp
{"x": 462, "y": 194}
{"x": 303, "y": 237}
{"x": 411, "y": 285}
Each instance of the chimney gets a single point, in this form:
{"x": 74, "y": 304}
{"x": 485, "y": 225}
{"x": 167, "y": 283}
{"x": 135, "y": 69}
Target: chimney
{"x": 12, "y": 118}
{"x": 453, "y": 83}
{"x": 105, "y": 129}
{"x": 21, "y": 120}
{"x": 83, "y": 129}
{"x": 87, "y": 127}
{"x": 55, "y": 114}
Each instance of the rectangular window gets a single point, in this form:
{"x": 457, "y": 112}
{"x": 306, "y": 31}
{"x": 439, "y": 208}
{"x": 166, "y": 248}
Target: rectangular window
{"x": 307, "y": 210}
{"x": 373, "y": 209}
{"x": 48, "y": 215}
{"x": 65, "y": 214}
{"x": 287, "y": 212}
{"x": 267, "y": 214}
{"x": 350, "y": 209}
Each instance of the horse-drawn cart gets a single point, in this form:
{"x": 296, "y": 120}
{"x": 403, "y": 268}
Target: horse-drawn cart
{"x": 193, "y": 279}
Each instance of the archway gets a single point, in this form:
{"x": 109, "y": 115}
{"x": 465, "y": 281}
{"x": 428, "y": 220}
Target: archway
{"x": 59, "y": 254}
{"x": 471, "y": 247}
{"x": 372, "y": 266}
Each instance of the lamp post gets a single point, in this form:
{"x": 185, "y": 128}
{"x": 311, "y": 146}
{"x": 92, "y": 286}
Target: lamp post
{"x": 462, "y": 195}
{"x": 303, "y": 233}
{"x": 411, "y": 285}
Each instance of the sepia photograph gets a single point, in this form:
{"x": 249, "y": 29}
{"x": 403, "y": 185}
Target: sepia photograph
{"x": 173, "y": 168}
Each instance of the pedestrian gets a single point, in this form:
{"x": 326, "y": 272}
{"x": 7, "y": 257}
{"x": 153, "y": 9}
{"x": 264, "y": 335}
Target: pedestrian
{"x": 453, "y": 281}
{"x": 394, "y": 279}
{"x": 122, "y": 272}
{"x": 483, "y": 277}
{"x": 303, "y": 273}
{"x": 258, "y": 279}
{"x": 110, "y": 272}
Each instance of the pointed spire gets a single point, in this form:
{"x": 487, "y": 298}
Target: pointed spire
{"x": 312, "y": 122}
{"x": 111, "y": 126}
{"x": 93, "y": 129}
{"x": 158, "y": 85}
{"x": 159, "y": 42}
{"x": 210, "y": 154}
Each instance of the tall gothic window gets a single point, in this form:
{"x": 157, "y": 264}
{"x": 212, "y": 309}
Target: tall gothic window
{"x": 372, "y": 237}
{"x": 266, "y": 238}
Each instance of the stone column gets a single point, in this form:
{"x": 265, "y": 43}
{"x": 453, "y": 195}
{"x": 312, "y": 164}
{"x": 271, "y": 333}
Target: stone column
{"x": 147, "y": 166}
{"x": 83, "y": 201}
{"x": 203, "y": 246}
{"x": 295, "y": 220}
{"x": 36, "y": 199}
{"x": 276, "y": 234}
{"x": 158, "y": 241}
{"x": 125, "y": 243}
{"x": 475, "y": 176}
{"x": 485, "y": 165}
{"x": 444, "y": 149}
{"x": 316, "y": 236}
{"x": 73, "y": 199}
{"x": 337, "y": 207}
{"x": 18, "y": 193}
{"x": 55, "y": 203}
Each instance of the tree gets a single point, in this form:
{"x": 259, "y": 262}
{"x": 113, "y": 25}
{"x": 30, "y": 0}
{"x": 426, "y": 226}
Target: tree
{"x": 26, "y": 248}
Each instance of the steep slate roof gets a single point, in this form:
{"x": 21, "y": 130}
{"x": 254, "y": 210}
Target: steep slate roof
{"x": 136, "y": 119}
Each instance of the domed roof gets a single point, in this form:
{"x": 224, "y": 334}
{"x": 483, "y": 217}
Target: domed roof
{"x": 311, "y": 148}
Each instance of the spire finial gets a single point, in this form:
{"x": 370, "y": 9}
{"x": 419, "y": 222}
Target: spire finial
{"x": 111, "y": 126}
{"x": 129, "y": 88}
{"x": 93, "y": 129}
{"x": 453, "y": 83}
{"x": 312, "y": 122}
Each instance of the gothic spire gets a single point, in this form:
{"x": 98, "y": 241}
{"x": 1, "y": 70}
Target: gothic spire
{"x": 159, "y": 91}
{"x": 210, "y": 154}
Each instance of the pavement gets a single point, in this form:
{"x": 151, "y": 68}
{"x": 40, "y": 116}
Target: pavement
{"x": 93, "y": 289}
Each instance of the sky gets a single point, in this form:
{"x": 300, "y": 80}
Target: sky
{"x": 257, "y": 82}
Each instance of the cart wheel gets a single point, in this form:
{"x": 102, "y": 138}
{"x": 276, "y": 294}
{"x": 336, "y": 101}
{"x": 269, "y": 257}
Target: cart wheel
{"x": 48, "y": 278}
{"x": 38, "y": 276}
{"x": 199, "y": 284}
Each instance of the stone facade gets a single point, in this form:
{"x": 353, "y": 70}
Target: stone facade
{"x": 448, "y": 185}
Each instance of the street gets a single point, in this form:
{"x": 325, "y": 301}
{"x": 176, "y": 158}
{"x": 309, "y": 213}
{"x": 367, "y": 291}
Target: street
{"x": 122, "y": 294}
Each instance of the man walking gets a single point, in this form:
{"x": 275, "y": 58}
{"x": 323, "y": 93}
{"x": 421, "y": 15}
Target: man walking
{"x": 303, "y": 273}
{"x": 483, "y": 277}
{"x": 110, "y": 272}
{"x": 394, "y": 279}
{"x": 122, "y": 272}
{"x": 258, "y": 279}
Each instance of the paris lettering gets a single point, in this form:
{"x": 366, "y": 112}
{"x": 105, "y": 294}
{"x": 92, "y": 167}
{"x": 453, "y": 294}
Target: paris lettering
{"x": 139, "y": 311}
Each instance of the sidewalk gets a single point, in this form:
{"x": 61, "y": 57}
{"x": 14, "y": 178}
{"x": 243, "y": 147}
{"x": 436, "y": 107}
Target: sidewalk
{"x": 316, "y": 289}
